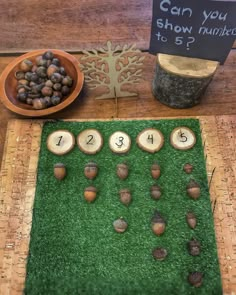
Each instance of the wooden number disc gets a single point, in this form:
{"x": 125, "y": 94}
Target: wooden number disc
{"x": 150, "y": 140}
{"x": 119, "y": 142}
{"x": 90, "y": 141}
{"x": 60, "y": 142}
{"x": 182, "y": 138}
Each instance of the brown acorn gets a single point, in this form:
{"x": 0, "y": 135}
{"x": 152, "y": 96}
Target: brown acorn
{"x": 120, "y": 225}
{"x": 51, "y": 70}
{"x": 191, "y": 219}
{"x": 91, "y": 170}
{"x": 158, "y": 224}
{"x": 155, "y": 171}
{"x": 39, "y": 104}
{"x": 193, "y": 189}
{"x": 90, "y": 194}
{"x": 194, "y": 247}
{"x": 155, "y": 192}
{"x": 195, "y": 279}
{"x": 26, "y": 65}
{"x": 159, "y": 253}
{"x": 188, "y": 168}
{"x": 122, "y": 171}
{"x": 125, "y": 196}
{"x": 59, "y": 171}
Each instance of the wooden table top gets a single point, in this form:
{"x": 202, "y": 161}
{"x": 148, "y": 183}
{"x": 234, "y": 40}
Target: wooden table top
{"x": 219, "y": 99}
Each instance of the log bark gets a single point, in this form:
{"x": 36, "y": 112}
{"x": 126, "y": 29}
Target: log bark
{"x": 179, "y": 82}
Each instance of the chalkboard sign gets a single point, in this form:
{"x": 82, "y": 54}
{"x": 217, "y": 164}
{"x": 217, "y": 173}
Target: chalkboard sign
{"x": 200, "y": 28}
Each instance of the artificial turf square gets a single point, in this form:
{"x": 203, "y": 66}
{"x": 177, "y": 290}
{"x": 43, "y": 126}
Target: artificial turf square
{"x": 74, "y": 248}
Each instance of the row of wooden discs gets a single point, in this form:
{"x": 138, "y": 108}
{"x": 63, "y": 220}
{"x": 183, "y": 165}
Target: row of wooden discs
{"x": 158, "y": 223}
{"x": 90, "y": 141}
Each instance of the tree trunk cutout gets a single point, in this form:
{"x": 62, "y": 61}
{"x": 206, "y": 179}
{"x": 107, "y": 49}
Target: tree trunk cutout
{"x": 111, "y": 69}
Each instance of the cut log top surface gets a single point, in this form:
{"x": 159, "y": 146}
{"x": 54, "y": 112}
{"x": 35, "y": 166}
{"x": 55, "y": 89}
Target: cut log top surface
{"x": 186, "y": 66}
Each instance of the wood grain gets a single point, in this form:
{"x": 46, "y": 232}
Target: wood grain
{"x": 73, "y": 25}
{"x": 219, "y": 99}
{"x": 17, "y": 188}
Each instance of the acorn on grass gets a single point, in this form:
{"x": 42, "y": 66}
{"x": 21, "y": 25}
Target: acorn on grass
{"x": 122, "y": 170}
{"x": 59, "y": 171}
{"x": 155, "y": 192}
{"x": 125, "y": 196}
{"x": 191, "y": 219}
{"x": 195, "y": 278}
{"x": 194, "y": 247}
{"x": 159, "y": 253}
{"x": 158, "y": 224}
{"x": 188, "y": 168}
{"x": 91, "y": 170}
{"x": 120, "y": 225}
{"x": 193, "y": 189}
{"x": 90, "y": 194}
{"x": 155, "y": 171}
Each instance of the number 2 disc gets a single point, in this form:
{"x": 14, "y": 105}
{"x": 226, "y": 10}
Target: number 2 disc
{"x": 182, "y": 138}
{"x": 90, "y": 141}
{"x": 60, "y": 142}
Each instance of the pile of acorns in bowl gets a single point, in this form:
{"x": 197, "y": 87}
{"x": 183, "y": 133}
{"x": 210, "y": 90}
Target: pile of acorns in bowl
{"x": 44, "y": 83}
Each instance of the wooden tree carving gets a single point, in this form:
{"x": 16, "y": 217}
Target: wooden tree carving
{"x": 111, "y": 69}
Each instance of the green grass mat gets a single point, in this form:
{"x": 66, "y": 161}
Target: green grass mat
{"x": 74, "y": 248}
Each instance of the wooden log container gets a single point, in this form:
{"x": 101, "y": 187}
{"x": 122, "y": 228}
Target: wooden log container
{"x": 179, "y": 81}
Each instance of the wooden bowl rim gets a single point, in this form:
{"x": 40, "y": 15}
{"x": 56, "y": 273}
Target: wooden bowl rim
{"x": 44, "y": 112}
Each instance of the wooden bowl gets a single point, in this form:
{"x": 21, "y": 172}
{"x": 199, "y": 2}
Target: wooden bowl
{"x": 8, "y": 84}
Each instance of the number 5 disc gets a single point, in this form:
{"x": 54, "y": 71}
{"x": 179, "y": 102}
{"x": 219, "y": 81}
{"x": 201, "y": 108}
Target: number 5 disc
{"x": 150, "y": 140}
{"x": 182, "y": 138}
{"x": 60, "y": 142}
{"x": 90, "y": 141}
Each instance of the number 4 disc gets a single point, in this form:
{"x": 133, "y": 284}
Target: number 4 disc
{"x": 90, "y": 141}
{"x": 182, "y": 138}
{"x": 150, "y": 140}
{"x": 60, "y": 142}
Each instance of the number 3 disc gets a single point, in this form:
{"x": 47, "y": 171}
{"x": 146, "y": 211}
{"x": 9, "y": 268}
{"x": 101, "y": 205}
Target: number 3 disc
{"x": 60, "y": 142}
{"x": 182, "y": 138}
{"x": 90, "y": 141}
{"x": 119, "y": 142}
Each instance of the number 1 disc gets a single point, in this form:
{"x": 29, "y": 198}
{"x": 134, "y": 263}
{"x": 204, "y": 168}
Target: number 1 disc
{"x": 60, "y": 142}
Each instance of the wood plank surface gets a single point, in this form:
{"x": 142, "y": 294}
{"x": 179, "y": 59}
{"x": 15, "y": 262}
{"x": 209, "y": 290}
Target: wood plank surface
{"x": 73, "y": 25}
{"x": 17, "y": 189}
{"x": 219, "y": 99}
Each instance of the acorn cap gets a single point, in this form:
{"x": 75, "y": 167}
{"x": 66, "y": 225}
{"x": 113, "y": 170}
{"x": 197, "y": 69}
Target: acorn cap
{"x": 59, "y": 165}
{"x": 91, "y": 164}
{"x": 91, "y": 189}
{"x": 157, "y": 218}
{"x": 193, "y": 183}
{"x": 124, "y": 190}
{"x": 190, "y": 215}
{"x": 122, "y": 165}
{"x": 155, "y": 188}
{"x": 159, "y": 253}
{"x": 155, "y": 166}
{"x": 195, "y": 278}
{"x": 188, "y": 168}
{"x": 194, "y": 243}
{"x": 120, "y": 225}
